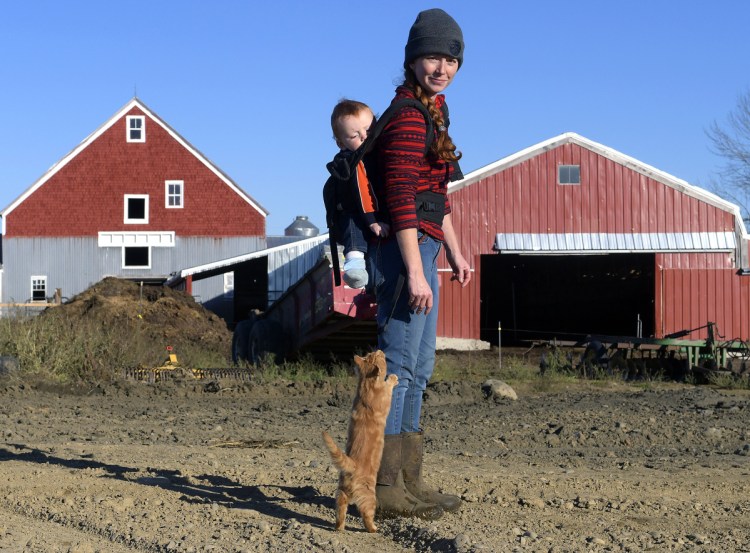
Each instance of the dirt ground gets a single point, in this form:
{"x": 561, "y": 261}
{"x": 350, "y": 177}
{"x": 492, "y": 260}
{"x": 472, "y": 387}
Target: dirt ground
{"x": 188, "y": 466}
{"x": 230, "y": 466}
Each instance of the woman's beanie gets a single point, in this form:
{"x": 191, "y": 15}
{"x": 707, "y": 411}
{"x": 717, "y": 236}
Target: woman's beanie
{"x": 434, "y": 32}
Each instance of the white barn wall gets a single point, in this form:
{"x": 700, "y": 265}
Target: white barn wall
{"x": 73, "y": 264}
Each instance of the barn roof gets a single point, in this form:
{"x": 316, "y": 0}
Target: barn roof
{"x": 510, "y": 242}
{"x": 135, "y": 102}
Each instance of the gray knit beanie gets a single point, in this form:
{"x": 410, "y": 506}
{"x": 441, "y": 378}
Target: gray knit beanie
{"x": 434, "y": 32}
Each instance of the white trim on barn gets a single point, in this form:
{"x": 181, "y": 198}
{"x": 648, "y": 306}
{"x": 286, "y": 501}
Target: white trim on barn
{"x": 135, "y": 102}
{"x": 135, "y": 128}
{"x": 118, "y": 239}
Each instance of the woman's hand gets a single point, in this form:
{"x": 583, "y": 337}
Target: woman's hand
{"x": 461, "y": 268}
{"x": 420, "y": 293}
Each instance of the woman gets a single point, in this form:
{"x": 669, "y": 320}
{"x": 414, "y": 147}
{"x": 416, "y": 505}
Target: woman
{"x": 414, "y": 184}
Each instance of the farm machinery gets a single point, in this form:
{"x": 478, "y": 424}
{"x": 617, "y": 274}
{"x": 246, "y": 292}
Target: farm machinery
{"x": 172, "y": 368}
{"x": 637, "y": 357}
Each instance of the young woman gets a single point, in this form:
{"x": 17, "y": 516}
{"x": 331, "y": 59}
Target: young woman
{"x": 414, "y": 185}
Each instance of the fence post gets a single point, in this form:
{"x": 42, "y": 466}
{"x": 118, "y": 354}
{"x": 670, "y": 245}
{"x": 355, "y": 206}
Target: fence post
{"x": 499, "y": 346}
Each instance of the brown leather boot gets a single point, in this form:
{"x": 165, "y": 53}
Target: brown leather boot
{"x": 412, "y": 451}
{"x": 393, "y": 498}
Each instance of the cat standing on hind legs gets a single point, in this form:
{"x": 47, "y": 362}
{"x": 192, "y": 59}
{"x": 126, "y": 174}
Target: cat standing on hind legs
{"x": 360, "y": 463}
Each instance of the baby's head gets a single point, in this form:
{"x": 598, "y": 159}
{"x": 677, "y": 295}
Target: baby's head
{"x": 350, "y": 122}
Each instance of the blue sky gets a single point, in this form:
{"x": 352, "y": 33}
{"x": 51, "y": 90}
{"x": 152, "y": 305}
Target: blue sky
{"x": 252, "y": 84}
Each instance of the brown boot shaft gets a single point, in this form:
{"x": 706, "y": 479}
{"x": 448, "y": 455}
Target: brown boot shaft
{"x": 412, "y": 456}
{"x": 390, "y": 462}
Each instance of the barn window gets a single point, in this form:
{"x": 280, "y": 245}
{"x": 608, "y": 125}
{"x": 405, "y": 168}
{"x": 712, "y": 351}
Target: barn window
{"x": 174, "y": 194}
{"x": 38, "y": 288}
{"x": 136, "y": 257}
{"x": 136, "y": 128}
{"x": 136, "y": 209}
{"x": 568, "y": 174}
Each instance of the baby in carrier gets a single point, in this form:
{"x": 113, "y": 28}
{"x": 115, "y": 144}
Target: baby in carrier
{"x": 355, "y": 223}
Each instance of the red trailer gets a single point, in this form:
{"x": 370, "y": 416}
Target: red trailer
{"x": 313, "y": 317}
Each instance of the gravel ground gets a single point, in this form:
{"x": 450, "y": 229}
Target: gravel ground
{"x": 186, "y": 467}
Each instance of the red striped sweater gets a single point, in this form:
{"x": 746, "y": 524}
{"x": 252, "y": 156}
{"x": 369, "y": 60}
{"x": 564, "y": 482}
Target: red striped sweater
{"x": 405, "y": 170}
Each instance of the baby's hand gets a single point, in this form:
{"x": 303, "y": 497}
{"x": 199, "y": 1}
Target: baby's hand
{"x": 380, "y": 229}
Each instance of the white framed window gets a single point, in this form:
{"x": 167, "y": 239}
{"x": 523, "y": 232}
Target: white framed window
{"x": 136, "y": 209}
{"x": 38, "y": 288}
{"x": 568, "y": 174}
{"x": 229, "y": 285}
{"x": 174, "y": 194}
{"x": 136, "y": 257}
{"x": 135, "y": 128}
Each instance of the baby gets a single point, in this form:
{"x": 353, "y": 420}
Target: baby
{"x": 350, "y": 122}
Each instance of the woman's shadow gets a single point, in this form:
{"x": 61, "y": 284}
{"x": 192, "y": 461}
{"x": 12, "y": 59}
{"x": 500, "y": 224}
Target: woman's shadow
{"x": 206, "y": 488}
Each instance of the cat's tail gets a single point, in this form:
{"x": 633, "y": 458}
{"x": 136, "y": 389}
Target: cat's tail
{"x": 340, "y": 459}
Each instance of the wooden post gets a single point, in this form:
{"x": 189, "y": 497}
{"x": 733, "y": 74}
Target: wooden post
{"x": 499, "y": 345}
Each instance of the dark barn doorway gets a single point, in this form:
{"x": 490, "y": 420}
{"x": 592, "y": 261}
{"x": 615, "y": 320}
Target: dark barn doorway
{"x": 566, "y": 296}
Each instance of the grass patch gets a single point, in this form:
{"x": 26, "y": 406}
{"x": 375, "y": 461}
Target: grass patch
{"x": 305, "y": 369}
{"x": 515, "y": 369}
{"x": 546, "y": 370}
{"x": 729, "y": 381}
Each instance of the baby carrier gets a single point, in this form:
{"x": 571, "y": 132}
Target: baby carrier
{"x": 340, "y": 192}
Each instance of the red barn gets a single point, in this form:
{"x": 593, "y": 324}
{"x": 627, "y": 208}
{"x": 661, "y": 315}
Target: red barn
{"x": 133, "y": 200}
{"x": 570, "y": 237}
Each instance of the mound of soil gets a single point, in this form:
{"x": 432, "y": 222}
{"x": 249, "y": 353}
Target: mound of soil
{"x": 162, "y": 314}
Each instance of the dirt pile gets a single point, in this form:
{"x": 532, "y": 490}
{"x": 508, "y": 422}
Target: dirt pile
{"x": 161, "y": 314}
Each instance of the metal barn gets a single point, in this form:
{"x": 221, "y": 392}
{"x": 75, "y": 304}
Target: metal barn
{"x": 570, "y": 237}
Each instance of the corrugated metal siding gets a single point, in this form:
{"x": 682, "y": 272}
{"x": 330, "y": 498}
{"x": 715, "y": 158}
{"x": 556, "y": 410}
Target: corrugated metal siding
{"x": 73, "y": 264}
{"x": 615, "y": 242}
{"x": 611, "y": 199}
{"x": 452, "y": 299}
{"x": 696, "y": 260}
{"x": 286, "y": 266}
{"x": 688, "y": 299}
{"x": 70, "y": 264}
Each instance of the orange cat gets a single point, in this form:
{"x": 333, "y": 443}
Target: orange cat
{"x": 364, "y": 445}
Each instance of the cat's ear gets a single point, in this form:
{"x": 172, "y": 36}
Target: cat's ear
{"x": 359, "y": 361}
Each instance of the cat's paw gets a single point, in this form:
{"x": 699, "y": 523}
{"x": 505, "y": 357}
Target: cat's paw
{"x": 392, "y": 379}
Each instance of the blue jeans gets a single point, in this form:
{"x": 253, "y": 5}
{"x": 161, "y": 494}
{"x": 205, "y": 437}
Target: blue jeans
{"x": 407, "y": 339}
{"x": 351, "y": 233}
